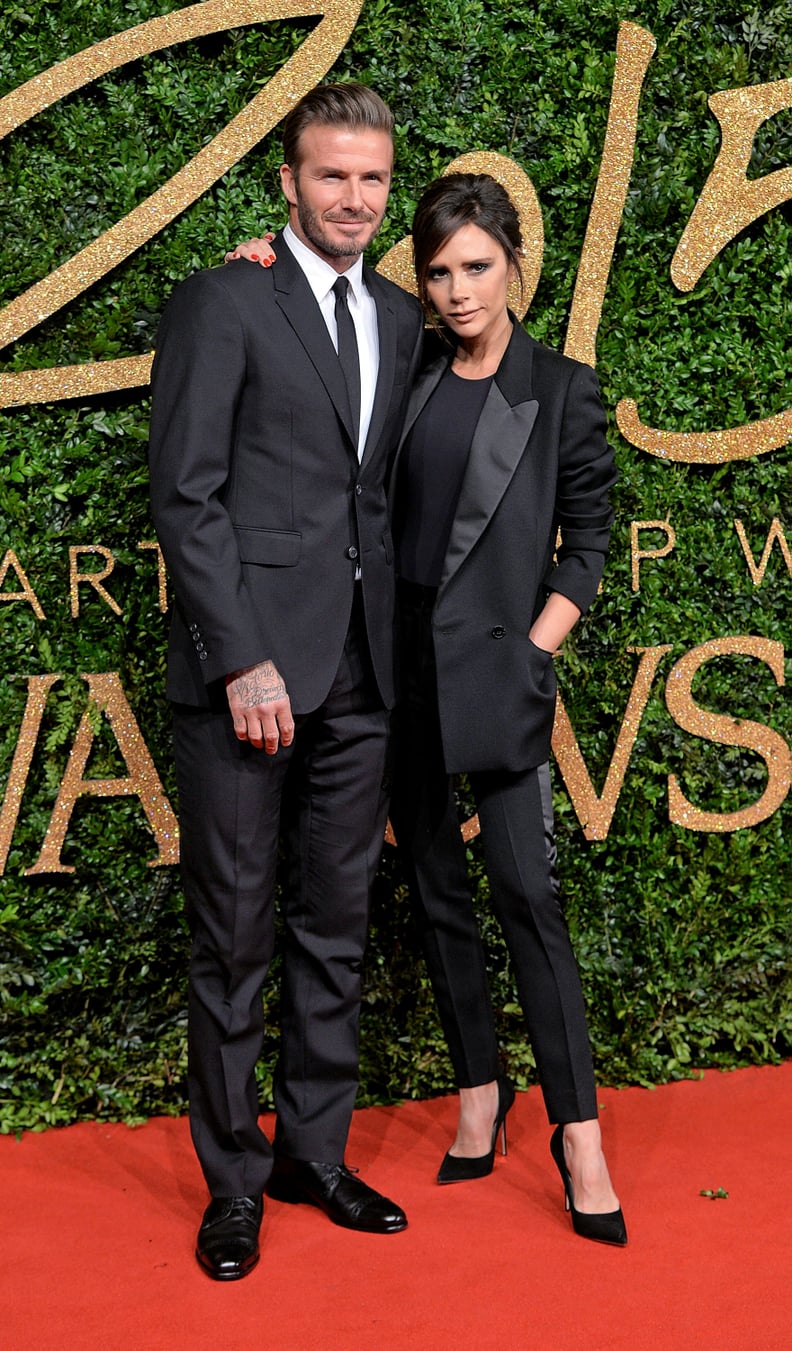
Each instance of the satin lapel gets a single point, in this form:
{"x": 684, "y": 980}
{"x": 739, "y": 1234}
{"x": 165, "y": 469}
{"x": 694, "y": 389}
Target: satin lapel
{"x": 296, "y": 300}
{"x": 424, "y": 386}
{"x": 498, "y": 444}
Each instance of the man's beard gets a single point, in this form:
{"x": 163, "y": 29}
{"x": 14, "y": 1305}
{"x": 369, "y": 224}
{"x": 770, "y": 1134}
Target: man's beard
{"x": 311, "y": 224}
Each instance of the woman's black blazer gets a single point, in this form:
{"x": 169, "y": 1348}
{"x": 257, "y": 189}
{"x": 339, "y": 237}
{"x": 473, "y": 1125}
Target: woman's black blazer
{"x": 538, "y": 462}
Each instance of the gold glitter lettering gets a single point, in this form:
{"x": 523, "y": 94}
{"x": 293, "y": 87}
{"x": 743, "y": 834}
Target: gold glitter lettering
{"x": 107, "y": 695}
{"x": 596, "y": 813}
{"x": 94, "y": 578}
{"x": 635, "y": 47}
{"x": 727, "y": 731}
{"x": 302, "y": 71}
{"x": 729, "y": 200}
{"x": 38, "y": 689}
{"x": 734, "y": 443}
{"x": 469, "y": 829}
{"x": 27, "y": 593}
{"x": 757, "y": 570}
{"x": 162, "y": 576}
{"x": 637, "y": 554}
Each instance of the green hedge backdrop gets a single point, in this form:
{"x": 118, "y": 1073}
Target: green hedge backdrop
{"x": 683, "y": 937}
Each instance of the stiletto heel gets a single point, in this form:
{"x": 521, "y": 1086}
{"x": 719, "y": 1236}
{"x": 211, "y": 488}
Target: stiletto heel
{"x": 603, "y": 1227}
{"x": 460, "y": 1168}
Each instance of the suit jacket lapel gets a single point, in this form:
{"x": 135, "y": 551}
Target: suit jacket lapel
{"x": 500, "y": 438}
{"x": 296, "y": 300}
{"x": 423, "y": 388}
{"x": 386, "y": 329}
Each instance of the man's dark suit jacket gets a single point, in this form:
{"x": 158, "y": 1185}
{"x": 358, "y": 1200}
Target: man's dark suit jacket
{"x": 538, "y": 460}
{"x": 261, "y": 507}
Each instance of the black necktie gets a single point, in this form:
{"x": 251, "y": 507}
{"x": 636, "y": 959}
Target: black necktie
{"x": 348, "y": 349}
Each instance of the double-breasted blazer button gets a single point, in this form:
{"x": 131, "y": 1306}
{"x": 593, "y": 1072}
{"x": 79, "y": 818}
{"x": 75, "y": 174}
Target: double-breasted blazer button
{"x": 352, "y": 552}
{"x": 498, "y": 631}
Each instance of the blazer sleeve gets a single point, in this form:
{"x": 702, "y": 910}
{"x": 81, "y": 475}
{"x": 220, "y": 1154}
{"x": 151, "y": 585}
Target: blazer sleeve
{"x": 197, "y": 378}
{"x": 586, "y": 472}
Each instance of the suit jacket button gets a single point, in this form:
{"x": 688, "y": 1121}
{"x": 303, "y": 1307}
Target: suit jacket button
{"x": 352, "y": 552}
{"x": 358, "y": 490}
{"x": 499, "y": 631}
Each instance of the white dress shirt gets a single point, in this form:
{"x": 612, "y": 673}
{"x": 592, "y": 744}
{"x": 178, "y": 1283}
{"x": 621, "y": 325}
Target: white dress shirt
{"x": 321, "y": 277}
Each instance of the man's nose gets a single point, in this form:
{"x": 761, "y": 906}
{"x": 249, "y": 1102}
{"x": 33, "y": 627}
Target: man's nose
{"x": 352, "y": 197}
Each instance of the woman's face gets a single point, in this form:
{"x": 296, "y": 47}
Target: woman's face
{"x": 467, "y": 283}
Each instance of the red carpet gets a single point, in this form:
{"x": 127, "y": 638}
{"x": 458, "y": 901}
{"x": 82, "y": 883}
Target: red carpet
{"x": 98, "y": 1226}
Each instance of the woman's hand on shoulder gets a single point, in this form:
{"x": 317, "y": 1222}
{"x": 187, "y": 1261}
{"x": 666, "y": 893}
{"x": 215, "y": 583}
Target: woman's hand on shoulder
{"x": 254, "y": 250}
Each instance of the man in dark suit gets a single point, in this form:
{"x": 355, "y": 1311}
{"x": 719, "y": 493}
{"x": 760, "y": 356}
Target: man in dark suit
{"x": 278, "y": 398}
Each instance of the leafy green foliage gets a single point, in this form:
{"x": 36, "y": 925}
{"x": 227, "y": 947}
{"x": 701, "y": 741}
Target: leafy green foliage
{"x": 683, "y": 938}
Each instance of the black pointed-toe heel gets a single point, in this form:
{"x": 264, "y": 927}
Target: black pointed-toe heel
{"x": 603, "y": 1227}
{"x": 460, "y": 1168}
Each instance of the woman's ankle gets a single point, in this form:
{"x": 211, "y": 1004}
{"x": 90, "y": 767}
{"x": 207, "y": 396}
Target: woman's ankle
{"x": 478, "y": 1108}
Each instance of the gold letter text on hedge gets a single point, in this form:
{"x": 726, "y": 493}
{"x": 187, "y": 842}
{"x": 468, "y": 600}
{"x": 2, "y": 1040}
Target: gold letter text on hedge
{"x": 729, "y": 202}
{"x": 105, "y": 695}
{"x": 596, "y": 813}
{"x": 728, "y": 731}
{"x": 301, "y": 72}
{"x": 758, "y": 570}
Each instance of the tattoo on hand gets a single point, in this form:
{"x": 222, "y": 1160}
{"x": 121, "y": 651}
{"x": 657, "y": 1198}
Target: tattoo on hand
{"x": 259, "y": 685}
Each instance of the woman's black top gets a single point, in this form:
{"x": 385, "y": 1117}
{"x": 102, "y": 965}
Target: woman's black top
{"x": 431, "y": 469}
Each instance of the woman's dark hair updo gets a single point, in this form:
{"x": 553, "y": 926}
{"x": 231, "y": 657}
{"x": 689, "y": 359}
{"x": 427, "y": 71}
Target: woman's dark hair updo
{"x": 463, "y": 199}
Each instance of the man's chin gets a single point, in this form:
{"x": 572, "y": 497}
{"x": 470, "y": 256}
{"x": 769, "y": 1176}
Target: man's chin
{"x": 347, "y": 250}
{"x": 338, "y": 246}
{"x": 341, "y": 248}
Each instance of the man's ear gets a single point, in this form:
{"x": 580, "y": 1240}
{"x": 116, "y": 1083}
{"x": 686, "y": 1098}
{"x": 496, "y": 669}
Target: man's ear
{"x": 288, "y": 184}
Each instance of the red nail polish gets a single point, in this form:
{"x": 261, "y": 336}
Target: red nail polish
{"x": 254, "y": 257}
{"x": 267, "y": 262}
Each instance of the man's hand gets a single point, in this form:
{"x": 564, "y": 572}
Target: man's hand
{"x": 260, "y": 706}
{"x": 255, "y": 250}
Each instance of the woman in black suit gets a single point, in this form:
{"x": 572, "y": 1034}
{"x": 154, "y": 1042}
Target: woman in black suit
{"x": 504, "y": 443}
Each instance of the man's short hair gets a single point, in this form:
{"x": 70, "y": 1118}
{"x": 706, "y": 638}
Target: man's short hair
{"x": 352, "y": 106}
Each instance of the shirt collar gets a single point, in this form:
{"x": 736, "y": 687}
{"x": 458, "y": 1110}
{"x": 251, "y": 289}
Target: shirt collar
{"x": 319, "y": 274}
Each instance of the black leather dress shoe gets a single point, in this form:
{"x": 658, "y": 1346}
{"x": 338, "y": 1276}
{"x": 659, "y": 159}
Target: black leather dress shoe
{"x": 227, "y": 1247}
{"x": 335, "y": 1190}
